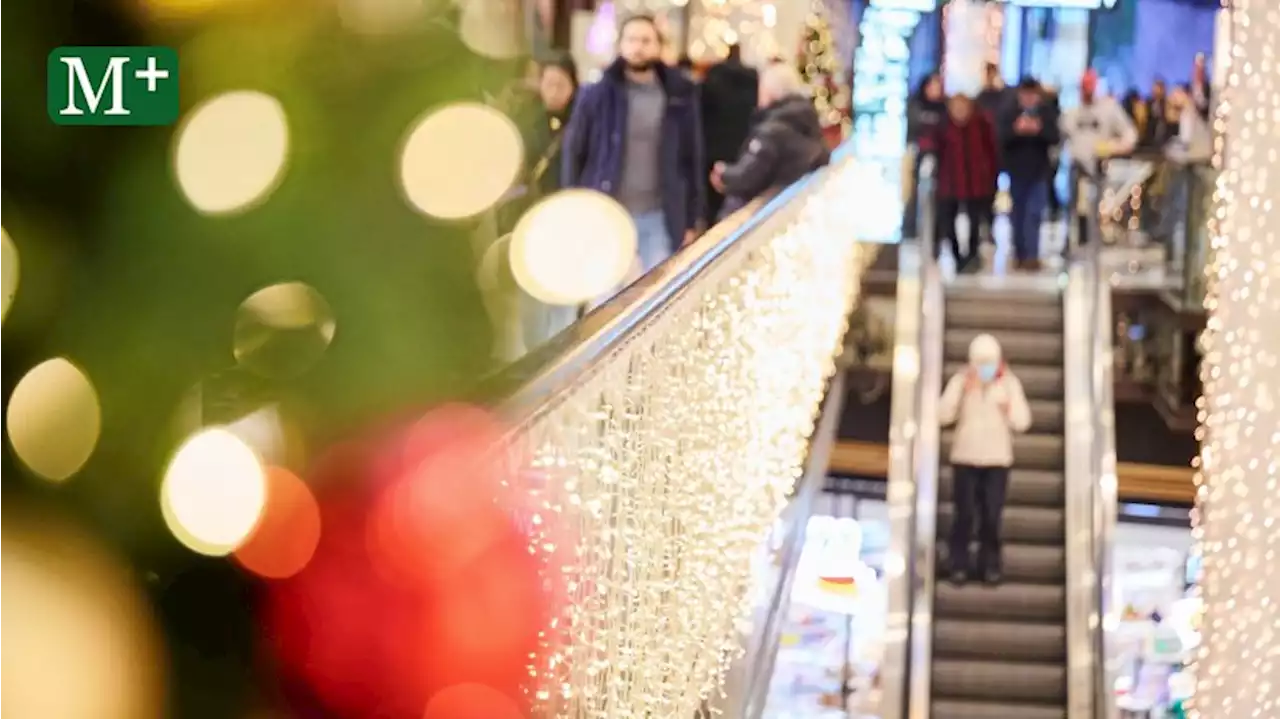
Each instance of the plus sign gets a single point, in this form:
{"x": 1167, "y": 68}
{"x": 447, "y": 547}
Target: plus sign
{"x": 151, "y": 74}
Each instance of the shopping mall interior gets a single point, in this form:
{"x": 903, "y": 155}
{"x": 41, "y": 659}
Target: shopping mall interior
{"x": 641, "y": 358}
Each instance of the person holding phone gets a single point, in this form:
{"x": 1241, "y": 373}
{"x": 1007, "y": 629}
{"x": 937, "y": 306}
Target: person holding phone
{"x": 1029, "y": 131}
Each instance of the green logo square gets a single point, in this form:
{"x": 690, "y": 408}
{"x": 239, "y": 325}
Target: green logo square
{"x": 122, "y": 86}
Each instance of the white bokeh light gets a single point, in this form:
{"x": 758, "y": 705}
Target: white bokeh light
{"x": 573, "y": 247}
{"x": 459, "y": 160}
{"x": 214, "y": 492}
{"x": 230, "y": 151}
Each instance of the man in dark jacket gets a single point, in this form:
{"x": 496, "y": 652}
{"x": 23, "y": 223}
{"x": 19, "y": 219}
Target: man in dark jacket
{"x": 637, "y": 136}
{"x": 1029, "y": 130}
{"x": 784, "y": 145}
{"x": 728, "y": 104}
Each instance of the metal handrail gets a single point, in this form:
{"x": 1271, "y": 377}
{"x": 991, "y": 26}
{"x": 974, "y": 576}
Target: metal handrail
{"x": 532, "y": 385}
{"x": 1104, "y": 495}
{"x": 912, "y": 492}
{"x": 1091, "y": 477}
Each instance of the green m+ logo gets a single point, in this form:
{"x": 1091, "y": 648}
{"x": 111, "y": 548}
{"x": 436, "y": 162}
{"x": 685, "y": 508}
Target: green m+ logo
{"x": 119, "y": 86}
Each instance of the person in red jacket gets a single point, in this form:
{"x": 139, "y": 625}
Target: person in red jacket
{"x": 968, "y": 166}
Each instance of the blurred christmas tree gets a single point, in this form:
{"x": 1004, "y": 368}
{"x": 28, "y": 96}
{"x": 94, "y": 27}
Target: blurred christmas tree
{"x": 823, "y": 71}
{"x": 371, "y": 310}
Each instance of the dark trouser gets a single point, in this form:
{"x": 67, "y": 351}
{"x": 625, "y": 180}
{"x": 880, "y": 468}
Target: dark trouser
{"x": 978, "y": 495}
{"x": 1029, "y": 195}
{"x": 979, "y": 212}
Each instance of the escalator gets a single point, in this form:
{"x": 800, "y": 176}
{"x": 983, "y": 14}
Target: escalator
{"x": 1000, "y": 652}
{"x": 1035, "y": 645}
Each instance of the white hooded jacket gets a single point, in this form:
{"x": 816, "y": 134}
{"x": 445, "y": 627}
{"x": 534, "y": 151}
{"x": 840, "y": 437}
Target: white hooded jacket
{"x": 986, "y": 414}
{"x": 1102, "y": 126}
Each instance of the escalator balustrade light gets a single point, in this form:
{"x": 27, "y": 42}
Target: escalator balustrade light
{"x": 667, "y": 466}
{"x": 1237, "y": 520}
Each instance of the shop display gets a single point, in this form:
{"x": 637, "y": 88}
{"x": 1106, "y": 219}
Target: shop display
{"x": 1159, "y": 622}
{"x": 831, "y": 647}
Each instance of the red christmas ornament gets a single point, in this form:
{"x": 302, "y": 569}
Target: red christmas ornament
{"x": 423, "y": 581}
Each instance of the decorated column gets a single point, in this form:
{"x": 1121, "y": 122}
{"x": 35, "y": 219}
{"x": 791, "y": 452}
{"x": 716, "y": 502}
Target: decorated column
{"x": 1238, "y": 509}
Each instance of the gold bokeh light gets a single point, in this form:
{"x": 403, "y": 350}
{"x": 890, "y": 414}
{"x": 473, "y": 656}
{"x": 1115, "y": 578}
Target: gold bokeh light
{"x": 573, "y": 247}
{"x": 8, "y": 272}
{"x": 493, "y": 28}
{"x": 214, "y": 492}
{"x": 283, "y": 330}
{"x": 459, "y": 160}
{"x": 54, "y": 419}
{"x": 382, "y": 17}
{"x": 230, "y": 151}
{"x": 79, "y": 642}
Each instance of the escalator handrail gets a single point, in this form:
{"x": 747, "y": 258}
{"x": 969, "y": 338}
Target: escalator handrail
{"x": 913, "y": 469}
{"x": 1104, "y": 497}
{"x": 1078, "y": 497}
{"x": 532, "y": 385}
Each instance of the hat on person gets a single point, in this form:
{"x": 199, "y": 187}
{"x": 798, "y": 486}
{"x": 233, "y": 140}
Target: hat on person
{"x": 983, "y": 349}
{"x": 1089, "y": 81}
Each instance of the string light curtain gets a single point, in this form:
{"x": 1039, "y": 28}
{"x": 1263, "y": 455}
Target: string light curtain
{"x": 825, "y": 69}
{"x": 1238, "y": 512}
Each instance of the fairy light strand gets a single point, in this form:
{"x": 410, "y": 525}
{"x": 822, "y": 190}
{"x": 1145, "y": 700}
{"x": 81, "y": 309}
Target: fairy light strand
{"x": 823, "y": 69}
{"x": 656, "y": 480}
{"x": 1237, "y": 518}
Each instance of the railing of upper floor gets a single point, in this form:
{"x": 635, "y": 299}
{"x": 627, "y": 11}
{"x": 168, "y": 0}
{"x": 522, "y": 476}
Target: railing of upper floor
{"x": 656, "y": 441}
{"x": 1151, "y": 202}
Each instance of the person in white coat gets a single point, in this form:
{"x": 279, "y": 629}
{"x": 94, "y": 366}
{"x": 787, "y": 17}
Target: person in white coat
{"x": 986, "y": 403}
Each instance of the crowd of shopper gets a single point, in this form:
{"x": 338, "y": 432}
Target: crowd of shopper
{"x": 676, "y": 153}
{"x": 1022, "y": 132}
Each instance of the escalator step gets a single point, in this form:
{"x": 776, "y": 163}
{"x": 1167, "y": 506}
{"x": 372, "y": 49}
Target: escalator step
{"x": 1035, "y": 563}
{"x": 1000, "y": 681}
{"x": 1004, "y": 315}
{"x": 1026, "y": 525}
{"x": 1026, "y": 487}
{"x": 1020, "y": 348}
{"x": 1038, "y": 381}
{"x": 1009, "y": 641}
{"x": 1046, "y": 415}
{"x": 995, "y": 710}
{"x": 1029, "y": 563}
{"x": 1030, "y": 451}
{"x": 1011, "y": 600}
{"x": 1020, "y": 295}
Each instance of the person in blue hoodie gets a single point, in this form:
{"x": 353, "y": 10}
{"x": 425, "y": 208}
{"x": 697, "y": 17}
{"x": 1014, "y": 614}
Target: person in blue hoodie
{"x": 636, "y": 135}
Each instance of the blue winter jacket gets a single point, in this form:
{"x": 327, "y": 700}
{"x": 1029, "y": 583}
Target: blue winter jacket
{"x": 593, "y": 150}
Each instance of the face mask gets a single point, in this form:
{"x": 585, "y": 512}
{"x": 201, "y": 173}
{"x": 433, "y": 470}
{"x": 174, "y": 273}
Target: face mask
{"x": 987, "y": 371}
